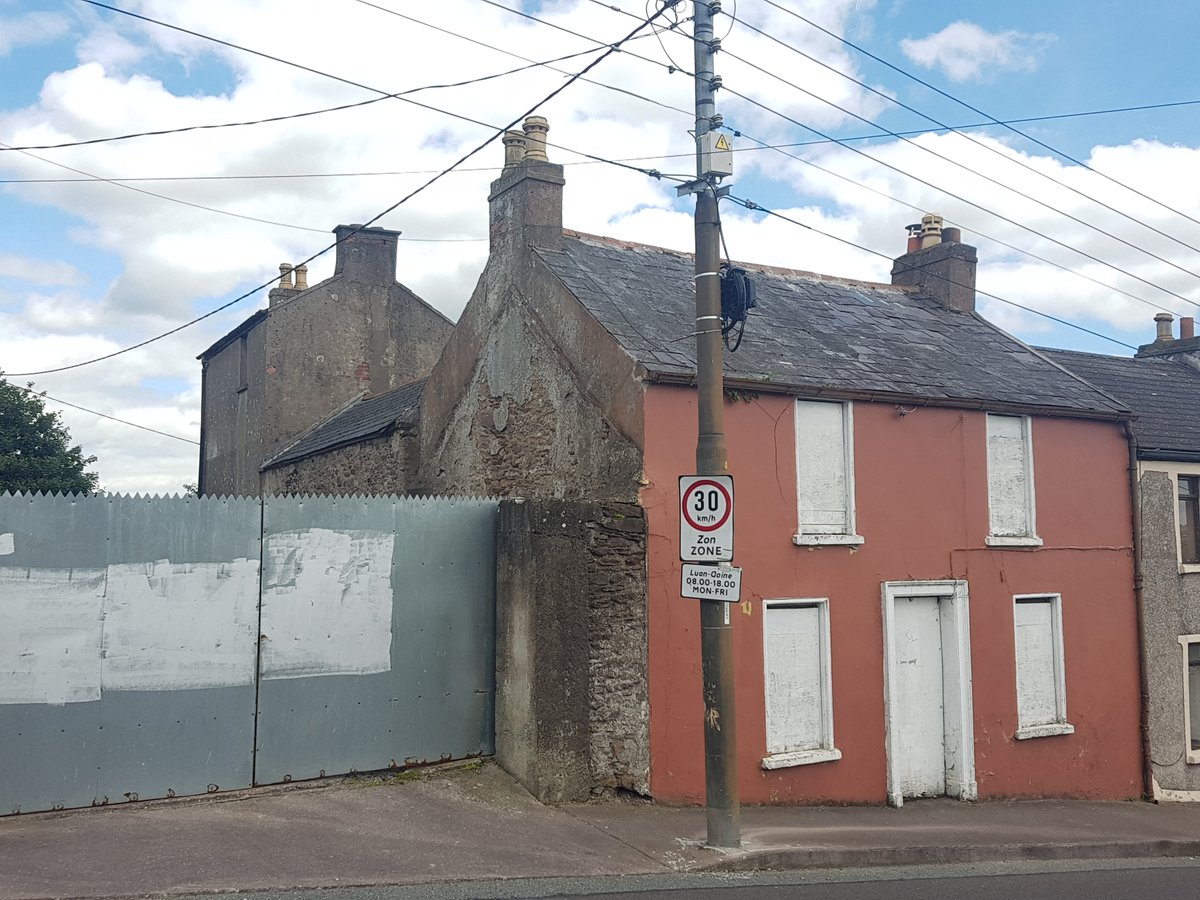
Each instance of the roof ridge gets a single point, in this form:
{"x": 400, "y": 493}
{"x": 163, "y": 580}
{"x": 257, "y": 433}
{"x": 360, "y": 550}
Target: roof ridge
{"x": 754, "y": 266}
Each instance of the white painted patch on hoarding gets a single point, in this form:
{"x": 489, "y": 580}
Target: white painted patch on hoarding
{"x": 327, "y": 603}
{"x": 50, "y": 626}
{"x": 179, "y": 626}
{"x": 8, "y": 544}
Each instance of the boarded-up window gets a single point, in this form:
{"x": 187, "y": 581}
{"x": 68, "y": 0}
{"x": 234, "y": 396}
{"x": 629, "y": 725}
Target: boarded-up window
{"x": 799, "y": 695}
{"x": 1190, "y": 644}
{"x": 1193, "y": 681}
{"x": 1189, "y": 512}
{"x": 1041, "y": 683}
{"x": 824, "y": 468}
{"x": 1010, "y": 477}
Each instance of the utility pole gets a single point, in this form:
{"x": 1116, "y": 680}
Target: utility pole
{"x": 716, "y": 632}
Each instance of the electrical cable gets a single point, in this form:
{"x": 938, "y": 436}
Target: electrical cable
{"x": 962, "y": 199}
{"x": 46, "y": 396}
{"x": 942, "y": 125}
{"x": 830, "y": 139}
{"x": 614, "y": 48}
{"x": 979, "y": 112}
{"x": 599, "y": 44}
{"x": 291, "y": 116}
{"x": 762, "y": 146}
{"x": 751, "y": 205}
{"x": 920, "y": 211}
{"x": 201, "y": 206}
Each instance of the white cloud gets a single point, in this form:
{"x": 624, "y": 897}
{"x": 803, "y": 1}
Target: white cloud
{"x": 30, "y": 29}
{"x": 40, "y": 271}
{"x": 966, "y": 52}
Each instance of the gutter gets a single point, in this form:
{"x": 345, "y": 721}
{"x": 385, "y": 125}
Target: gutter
{"x": 1139, "y": 600}
{"x": 688, "y": 379}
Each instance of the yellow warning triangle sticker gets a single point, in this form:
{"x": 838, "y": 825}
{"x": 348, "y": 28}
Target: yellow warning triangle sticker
{"x": 722, "y": 142}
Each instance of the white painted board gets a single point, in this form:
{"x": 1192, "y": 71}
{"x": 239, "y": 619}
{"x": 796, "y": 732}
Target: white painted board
{"x": 722, "y": 583}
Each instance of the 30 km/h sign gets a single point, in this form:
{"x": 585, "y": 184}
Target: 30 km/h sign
{"x": 706, "y": 518}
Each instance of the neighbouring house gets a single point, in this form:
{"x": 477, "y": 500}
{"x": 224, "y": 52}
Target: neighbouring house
{"x": 1161, "y": 384}
{"x": 933, "y": 521}
{"x": 314, "y": 351}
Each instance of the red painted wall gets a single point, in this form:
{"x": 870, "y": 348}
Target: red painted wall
{"x": 921, "y": 490}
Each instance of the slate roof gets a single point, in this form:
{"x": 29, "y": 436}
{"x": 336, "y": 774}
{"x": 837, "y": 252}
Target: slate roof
{"x": 1163, "y": 393}
{"x": 363, "y": 419}
{"x": 812, "y": 334}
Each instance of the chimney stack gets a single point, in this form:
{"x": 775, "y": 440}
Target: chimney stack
{"x": 942, "y": 267}
{"x": 366, "y": 255}
{"x": 1185, "y": 348}
{"x": 525, "y": 204}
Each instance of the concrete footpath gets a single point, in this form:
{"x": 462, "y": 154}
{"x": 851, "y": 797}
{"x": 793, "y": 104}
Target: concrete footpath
{"x": 472, "y": 822}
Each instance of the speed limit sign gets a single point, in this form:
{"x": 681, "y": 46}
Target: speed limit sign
{"x": 705, "y": 518}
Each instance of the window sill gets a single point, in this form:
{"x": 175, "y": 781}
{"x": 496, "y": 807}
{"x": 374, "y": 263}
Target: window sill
{"x": 1040, "y": 731}
{"x": 800, "y": 758}
{"x": 1189, "y": 568}
{"x": 827, "y": 540}
{"x": 1193, "y": 757}
{"x": 1006, "y": 540}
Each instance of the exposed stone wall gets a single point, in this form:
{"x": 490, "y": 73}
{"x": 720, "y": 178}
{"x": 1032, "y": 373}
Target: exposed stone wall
{"x": 1171, "y": 607}
{"x": 524, "y": 427}
{"x": 379, "y": 466}
{"x": 571, "y": 585}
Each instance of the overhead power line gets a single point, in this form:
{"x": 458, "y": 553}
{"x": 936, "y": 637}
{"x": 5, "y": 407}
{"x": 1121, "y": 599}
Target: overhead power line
{"x": 963, "y": 199}
{"x": 988, "y": 147}
{"x": 94, "y": 412}
{"x": 130, "y": 187}
{"x": 826, "y": 138}
{"x": 299, "y": 115}
{"x": 920, "y": 211}
{"x": 614, "y": 48}
{"x": 979, "y": 112}
{"x": 762, "y": 146}
{"x": 751, "y": 205}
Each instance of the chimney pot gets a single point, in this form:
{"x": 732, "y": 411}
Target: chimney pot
{"x": 536, "y": 128}
{"x": 1187, "y": 328}
{"x": 914, "y": 237}
{"x": 301, "y": 278}
{"x": 951, "y": 235}
{"x": 931, "y": 230}
{"x": 285, "y": 276}
{"x": 514, "y": 147}
{"x": 1162, "y": 324}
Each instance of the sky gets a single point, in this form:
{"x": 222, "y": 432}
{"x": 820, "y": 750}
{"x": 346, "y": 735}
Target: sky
{"x": 1090, "y": 213}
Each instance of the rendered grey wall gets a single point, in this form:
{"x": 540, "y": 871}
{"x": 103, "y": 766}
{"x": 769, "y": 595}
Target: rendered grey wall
{"x": 1171, "y": 604}
{"x": 338, "y": 339}
{"x": 233, "y": 417}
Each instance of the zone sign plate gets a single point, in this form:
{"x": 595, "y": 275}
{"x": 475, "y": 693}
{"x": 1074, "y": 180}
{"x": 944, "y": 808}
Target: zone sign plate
{"x": 706, "y": 518}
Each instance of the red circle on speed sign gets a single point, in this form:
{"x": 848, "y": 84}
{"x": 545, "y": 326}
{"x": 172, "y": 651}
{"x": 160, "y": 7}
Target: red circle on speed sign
{"x": 706, "y": 499}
